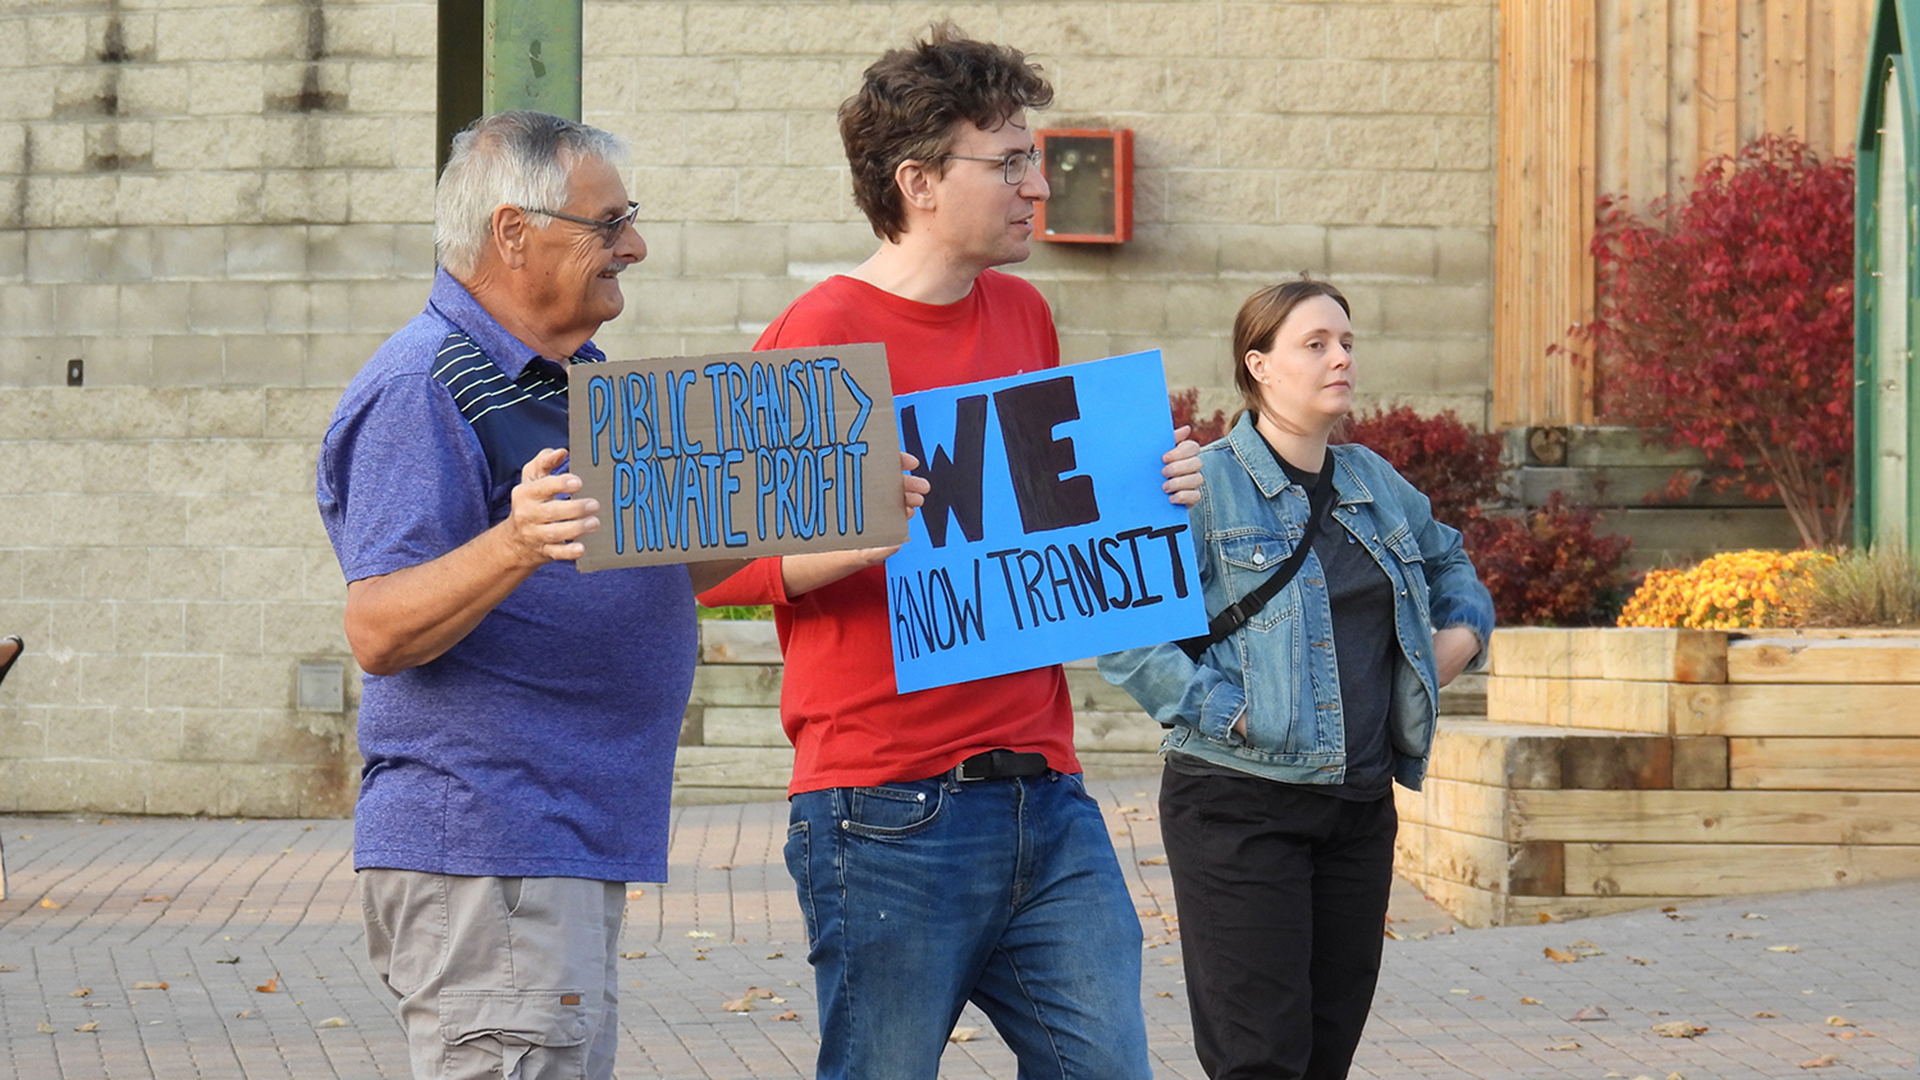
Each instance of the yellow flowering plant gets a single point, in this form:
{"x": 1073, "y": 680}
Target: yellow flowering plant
{"x": 1736, "y": 590}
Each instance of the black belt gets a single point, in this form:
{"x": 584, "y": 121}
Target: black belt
{"x": 1000, "y": 765}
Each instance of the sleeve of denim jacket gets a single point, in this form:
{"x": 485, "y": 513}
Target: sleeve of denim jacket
{"x": 1168, "y": 685}
{"x": 1455, "y": 595}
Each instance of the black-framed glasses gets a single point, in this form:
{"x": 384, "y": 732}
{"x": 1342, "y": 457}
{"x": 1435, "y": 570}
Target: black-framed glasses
{"x": 1013, "y": 167}
{"x": 609, "y": 227}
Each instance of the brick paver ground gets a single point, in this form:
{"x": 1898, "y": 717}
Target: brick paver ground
{"x": 253, "y": 928}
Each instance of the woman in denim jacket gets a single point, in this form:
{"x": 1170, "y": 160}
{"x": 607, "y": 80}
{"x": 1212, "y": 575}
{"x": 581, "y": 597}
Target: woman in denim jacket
{"x": 1285, "y": 738}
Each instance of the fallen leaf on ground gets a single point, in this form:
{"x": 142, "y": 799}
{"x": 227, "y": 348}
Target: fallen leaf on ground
{"x": 721, "y": 866}
{"x": 1559, "y": 957}
{"x": 1839, "y": 1021}
{"x": 1591, "y": 1012}
{"x": 1394, "y": 936}
{"x": 4, "y": 968}
{"x": 1162, "y": 993}
{"x": 228, "y": 960}
{"x": 741, "y": 1004}
{"x": 788, "y": 1015}
{"x": 1766, "y": 1016}
{"x": 47, "y": 902}
{"x": 635, "y": 894}
{"x": 271, "y": 986}
{"x": 775, "y": 955}
{"x": 149, "y": 986}
{"x": 333, "y": 1022}
{"x": 1740, "y": 937}
{"x": 1568, "y": 1045}
{"x": 1783, "y": 948}
{"x": 1821, "y": 1062}
{"x": 243, "y": 1014}
{"x": 1544, "y": 916}
{"x": 1637, "y": 960}
{"x": 633, "y": 956}
{"x": 82, "y": 992}
{"x": 91, "y": 1025}
{"x": 699, "y": 934}
{"x": 44, "y": 1028}
{"x": 1529, "y": 1001}
{"x": 759, "y": 992}
{"x": 156, "y": 898}
{"x": 1459, "y": 991}
{"x": 1753, "y": 915}
{"x": 963, "y": 1034}
{"x": 1154, "y": 860}
{"x": 1678, "y": 1029}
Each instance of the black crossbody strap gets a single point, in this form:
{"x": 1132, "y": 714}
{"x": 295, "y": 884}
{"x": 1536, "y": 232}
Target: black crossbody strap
{"x": 1238, "y": 612}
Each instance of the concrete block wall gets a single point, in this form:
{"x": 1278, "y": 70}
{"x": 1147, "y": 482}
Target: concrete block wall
{"x": 223, "y": 206}
{"x": 160, "y": 554}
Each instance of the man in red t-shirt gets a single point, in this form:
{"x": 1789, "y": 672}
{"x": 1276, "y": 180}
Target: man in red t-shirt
{"x": 943, "y": 845}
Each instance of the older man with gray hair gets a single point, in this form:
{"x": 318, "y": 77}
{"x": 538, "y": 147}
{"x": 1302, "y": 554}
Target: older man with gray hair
{"x": 519, "y": 719}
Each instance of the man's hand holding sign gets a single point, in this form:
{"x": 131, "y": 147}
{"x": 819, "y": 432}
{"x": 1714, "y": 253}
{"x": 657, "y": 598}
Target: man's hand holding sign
{"x": 1040, "y": 540}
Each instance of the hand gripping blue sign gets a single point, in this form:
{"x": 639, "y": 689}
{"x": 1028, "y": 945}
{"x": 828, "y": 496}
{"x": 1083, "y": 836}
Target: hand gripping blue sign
{"x": 1046, "y": 536}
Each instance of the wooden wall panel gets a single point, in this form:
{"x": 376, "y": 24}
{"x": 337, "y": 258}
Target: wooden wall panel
{"x": 1629, "y": 97}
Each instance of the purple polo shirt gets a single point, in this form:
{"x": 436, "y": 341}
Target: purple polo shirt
{"x": 542, "y": 744}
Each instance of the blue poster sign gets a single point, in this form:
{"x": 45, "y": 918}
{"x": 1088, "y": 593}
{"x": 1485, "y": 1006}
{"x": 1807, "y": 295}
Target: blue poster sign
{"x": 1046, "y": 536}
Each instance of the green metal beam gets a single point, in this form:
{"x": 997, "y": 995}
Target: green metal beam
{"x": 497, "y": 55}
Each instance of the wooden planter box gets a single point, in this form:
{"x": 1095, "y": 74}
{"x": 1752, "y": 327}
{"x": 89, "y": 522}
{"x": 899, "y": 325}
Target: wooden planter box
{"x": 1623, "y": 768}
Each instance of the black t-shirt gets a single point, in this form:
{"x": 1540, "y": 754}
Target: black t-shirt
{"x": 1361, "y": 596}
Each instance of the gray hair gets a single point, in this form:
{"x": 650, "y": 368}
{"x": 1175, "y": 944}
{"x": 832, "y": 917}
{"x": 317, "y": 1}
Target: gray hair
{"x": 519, "y": 159}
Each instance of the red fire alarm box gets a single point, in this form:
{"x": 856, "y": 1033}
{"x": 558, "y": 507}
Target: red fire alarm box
{"x": 1090, "y": 173}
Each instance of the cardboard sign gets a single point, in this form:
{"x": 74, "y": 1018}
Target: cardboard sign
{"x": 736, "y": 455}
{"x": 1046, "y": 536}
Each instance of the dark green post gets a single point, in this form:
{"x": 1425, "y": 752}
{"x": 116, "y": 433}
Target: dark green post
{"x": 506, "y": 54}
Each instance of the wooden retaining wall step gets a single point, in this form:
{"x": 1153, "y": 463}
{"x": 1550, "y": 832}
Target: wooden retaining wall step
{"x": 1807, "y": 659}
{"x": 1542, "y": 756}
{"x": 1727, "y": 869}
{"x": 1641, "y": 655}
{"x": 1723, "y": 817}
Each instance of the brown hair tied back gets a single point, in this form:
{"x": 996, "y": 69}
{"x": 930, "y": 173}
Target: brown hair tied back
{"x": 911, "y": 98}
{"x": 1259, "y": 321}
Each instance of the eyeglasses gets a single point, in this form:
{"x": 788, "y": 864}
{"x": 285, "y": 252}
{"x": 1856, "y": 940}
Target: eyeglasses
{"x": 609, "y": 228}
{"x": 1013, "y": 167}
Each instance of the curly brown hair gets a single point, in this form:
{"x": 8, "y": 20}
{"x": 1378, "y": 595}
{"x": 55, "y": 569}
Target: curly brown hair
{"x": 909, "y": 102}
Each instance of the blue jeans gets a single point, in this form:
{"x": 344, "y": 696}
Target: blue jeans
{"x": 922, "y": 896}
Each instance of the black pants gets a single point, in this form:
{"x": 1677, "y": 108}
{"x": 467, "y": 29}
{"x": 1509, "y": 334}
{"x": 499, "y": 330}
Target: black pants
{"x": 1282, "y": 896}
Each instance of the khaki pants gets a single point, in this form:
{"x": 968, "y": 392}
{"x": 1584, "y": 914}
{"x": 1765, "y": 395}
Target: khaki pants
{"x": 499, "y": 977}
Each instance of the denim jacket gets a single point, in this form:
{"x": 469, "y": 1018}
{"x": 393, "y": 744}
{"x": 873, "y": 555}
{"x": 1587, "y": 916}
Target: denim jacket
{"x": 1279, "y": 667}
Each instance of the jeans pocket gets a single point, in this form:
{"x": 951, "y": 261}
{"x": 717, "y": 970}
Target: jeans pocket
{"x": 891, "y": 813}
{"x": 799, "y": 856}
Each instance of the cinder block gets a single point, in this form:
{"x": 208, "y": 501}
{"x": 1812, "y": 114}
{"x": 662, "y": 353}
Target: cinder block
{"x": 1206, "y": 307}
{"x": 154, "y": 90}
{"x": 288, "y": 306}
{"x": 255, "y": 682}
{"x": 684, "y": 304}
{"x": 185, "y": 573}
{"x": 1392, "y": 252}
{"x": 225, "y": 413}
{"x": 394, "y": 86}
{"x": 385, "y": 306}
{"x": 323, "y": 581}
{"x": 107, "y": 467}
{"x": 148, "y": 520}
{"x": 686, "y": 194}
{"x": 88, "y": 309}
{"x": 26, "y": 99}
{"x": 181, "y": 788}
{"x": 190, "y": 253}
{"x": 306, "y": 630}
{"x": 727, "y": 250}
{"x": 13, "y": 256}
{"x": 189, "y": 360}
{"x": 1464, "y": 142}
{"x": 123, "y": 254}
{"x": 273, "y": 574}
{"x": 238, "y": 307}
{"x": 1279, "y": 140}
{"x": 230, "y": 629}
{"x": 143, "y": 734}
{"x": 1443, "y": 86}
{"x": 182, "y": 679}
{"x": 356, "y": 142}
{"x": 30, "y": 309}
{"x": 303, "y": 196}
{"x": 1384, "y": 142}
{"x": 390, "y": 195}
{"x": 178, "y": 467}
{"x": 1113, "y": 306}
{"x": 1381, "y": 31}
{"x": 813, "y": 138}
{"x": 1466, "y": 33}
{"x": 361, "y": 32}
{"x": 763, "y": 299}
{"x": 226, "y": 89}
{"x": 415, "y": 31}
{"x": 266, "y": 359}
{"x": 1465, "y": 256}
{"x": 815, "y": 244}
{"x": 58, "y": 147}
{"x": 1333, "y": 86}
{"x": 1274, "y": 30}
{"x": 77, "y": 626}
{"x": 650, "y": 30}
{"x": 1458, "y": 199}
{"x": 266, "y": 251}
{"x": 108, "y": 679}
{"x": 286, "y": 467}
{"x": 333, "y": 359}
{"x": 1118, "y": 85}
{"x": 1237, "y": 196}
{"x": 413, "y": 245}
{"x": 153, "y": 626}
{"x": 74, "y": 786}
{"x": 56, "y": 39}
{"x": 1331, "y": 197}
{"x": 71, "y": 201}
{"x": 1217, "y": 85}
{"x": 116, "y": 573}
{"x": 141, "y": 412}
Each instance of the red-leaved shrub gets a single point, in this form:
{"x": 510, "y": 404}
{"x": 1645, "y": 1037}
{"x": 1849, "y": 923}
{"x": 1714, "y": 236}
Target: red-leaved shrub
{"x": 1726, "y": 321}
{"x": 1186, "y": 410}
{"x": 1547, "y": 565}
{"x": 1454, "y": 466}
